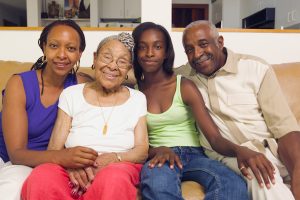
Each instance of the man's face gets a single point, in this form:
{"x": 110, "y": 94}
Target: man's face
{"x": 203, "y": 49}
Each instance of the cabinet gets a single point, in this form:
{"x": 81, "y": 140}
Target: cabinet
{"x": 120, "y": 9}
{"x": 107, "y": 9}
{"x": 288, "y": 14}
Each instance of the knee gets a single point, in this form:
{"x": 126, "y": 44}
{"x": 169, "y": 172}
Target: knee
{"x": 159, "y": 176}
{"x": 44, "y": 172}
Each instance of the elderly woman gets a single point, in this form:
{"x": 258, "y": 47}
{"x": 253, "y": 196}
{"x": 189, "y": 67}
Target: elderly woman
{"x": 103, "y": 115}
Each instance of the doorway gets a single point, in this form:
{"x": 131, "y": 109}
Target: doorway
{"x": 183, "y": 14}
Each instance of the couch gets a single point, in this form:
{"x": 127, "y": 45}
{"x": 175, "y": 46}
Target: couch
{"x": 288, "y": 75}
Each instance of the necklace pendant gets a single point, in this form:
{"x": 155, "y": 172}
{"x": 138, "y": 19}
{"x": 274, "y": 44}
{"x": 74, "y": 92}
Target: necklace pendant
{"x": 104, "y": 130}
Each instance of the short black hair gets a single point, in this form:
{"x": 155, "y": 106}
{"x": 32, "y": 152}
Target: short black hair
{"x": 170, "y": 54}
{"x": 44, "y": 35}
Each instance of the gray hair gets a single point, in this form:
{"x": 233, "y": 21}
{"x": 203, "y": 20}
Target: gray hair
{"x": 213, "y": 30}
{"x": 125, "y": 38}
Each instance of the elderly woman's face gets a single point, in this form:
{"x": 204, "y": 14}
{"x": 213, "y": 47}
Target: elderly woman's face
{"x": 112, "y": 62}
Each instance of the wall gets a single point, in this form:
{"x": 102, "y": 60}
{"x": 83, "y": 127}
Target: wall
{"x": 275, "y": 48}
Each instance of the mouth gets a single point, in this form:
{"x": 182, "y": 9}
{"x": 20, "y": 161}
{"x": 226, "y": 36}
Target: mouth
{"x": 110, "y": 76}
{"x": 149, "y": 62}
{"x": 202, "y": 59}
{"x": 61, "y": 65}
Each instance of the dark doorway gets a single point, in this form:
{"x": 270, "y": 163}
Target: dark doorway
{"x": 183, "y": 14}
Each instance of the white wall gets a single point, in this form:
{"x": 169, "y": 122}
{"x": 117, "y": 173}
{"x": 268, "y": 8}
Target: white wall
{"x": 273, "y": 47}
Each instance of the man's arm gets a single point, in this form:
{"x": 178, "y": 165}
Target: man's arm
{"x": 282, "y": 123}
{"x": 289, "y": 153}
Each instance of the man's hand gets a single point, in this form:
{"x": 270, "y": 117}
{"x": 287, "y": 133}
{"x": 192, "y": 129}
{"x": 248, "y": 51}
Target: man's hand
{"x": 163, "y": 154}
{"x": 76, "y": 157}
{"x": 261, "y": 167}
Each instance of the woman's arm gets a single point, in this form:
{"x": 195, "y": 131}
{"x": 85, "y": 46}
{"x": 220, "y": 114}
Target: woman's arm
{"x": 139, "y": 153}
{"x": 15, "y": 126}
{"x": 70, "y": 157}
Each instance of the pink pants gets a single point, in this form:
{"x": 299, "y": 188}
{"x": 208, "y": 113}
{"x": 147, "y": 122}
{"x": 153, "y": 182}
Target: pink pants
{"x": 51, "y": 182}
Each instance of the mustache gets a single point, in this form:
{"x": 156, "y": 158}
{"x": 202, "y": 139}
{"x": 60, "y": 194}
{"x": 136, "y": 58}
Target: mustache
{"x": 202, "y": 58}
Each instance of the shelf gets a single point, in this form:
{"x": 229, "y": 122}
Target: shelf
{"x": 261, "y": 19}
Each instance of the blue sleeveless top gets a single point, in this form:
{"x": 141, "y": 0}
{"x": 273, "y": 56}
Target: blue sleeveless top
{"x": 40, "y": 119}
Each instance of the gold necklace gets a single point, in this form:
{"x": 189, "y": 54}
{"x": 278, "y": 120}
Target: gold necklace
{"x": 105, "y": 127}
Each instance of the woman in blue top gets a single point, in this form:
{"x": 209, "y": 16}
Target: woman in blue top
{"x": 30, "y": 108}
{"x": 173, "y": 102}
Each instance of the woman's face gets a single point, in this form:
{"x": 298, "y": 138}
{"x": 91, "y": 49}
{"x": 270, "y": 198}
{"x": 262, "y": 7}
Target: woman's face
{"x": 151, "y": 51}
{"x": 62, "y": 49}
{"x": 112, "y": 62}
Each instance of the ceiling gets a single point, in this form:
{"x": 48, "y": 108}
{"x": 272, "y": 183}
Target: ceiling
{"x": 18, "y": 4}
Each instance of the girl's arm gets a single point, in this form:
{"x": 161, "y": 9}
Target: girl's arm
{"x": 258, "y": 163}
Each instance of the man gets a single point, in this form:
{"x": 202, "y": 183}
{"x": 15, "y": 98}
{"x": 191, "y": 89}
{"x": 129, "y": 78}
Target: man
{"x": 244, "y": 99}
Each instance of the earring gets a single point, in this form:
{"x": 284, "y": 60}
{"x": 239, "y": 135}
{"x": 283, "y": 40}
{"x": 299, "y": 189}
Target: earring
{"x": 76, "y": 66}
{"x": 41, "y": 61}
{"x": 126, "y": 78}
{"x": 142, "y": 77}
{"x": 93, "y": 67}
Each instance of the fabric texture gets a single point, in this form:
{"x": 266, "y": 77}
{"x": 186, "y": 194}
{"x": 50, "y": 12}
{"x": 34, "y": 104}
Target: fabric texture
{"x": 87, "y": 121}
{"x": 115, "y": 181}
{"x": 40, "y": 119}
{"x": 219, "y": 181}
{"x": 174, "y": 127}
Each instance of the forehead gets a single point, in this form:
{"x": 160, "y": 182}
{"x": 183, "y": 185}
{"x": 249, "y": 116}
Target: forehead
{"x": 65, "y": 32}
{"x": 152, "y": 35}
{"x": 196, "y": 33}
{"x": 114, "y": 47}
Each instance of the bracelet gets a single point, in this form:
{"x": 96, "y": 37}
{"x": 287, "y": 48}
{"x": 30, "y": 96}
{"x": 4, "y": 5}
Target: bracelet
{"x": 119, "y": 157}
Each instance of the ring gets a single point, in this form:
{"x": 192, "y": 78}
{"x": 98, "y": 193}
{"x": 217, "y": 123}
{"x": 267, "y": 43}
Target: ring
{"x": 242, "y": 168}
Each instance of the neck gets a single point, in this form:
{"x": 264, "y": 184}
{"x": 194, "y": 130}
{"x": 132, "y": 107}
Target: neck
{"x": 155, "y": 78}
{"x": 52, "y": 79}
{"x": 102, "y": 91}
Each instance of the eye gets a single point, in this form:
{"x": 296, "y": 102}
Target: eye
{"x": 53, "y": 46}
{"x": 72, "y": 49}
{"x": 141, "y": 47}
{"x": 188, "y": 50}
{"x": 158, "y": 47}
{"x": 203, "y": 44}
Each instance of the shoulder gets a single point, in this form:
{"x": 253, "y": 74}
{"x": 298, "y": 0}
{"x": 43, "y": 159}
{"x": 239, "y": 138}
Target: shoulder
{"x": 83, "y": 77}
{"x": 187, "y": 84}
{"x": 184, "y": 70}
{"x": 73, "y": 89}
{"x": 135, "y": 93}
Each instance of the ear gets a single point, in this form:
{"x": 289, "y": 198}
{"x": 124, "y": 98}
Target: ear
{"x": 220, "y": 42}
{"x": 95, "y": 57}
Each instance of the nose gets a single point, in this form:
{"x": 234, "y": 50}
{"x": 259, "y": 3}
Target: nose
{"x": 149, "y": 52}
{"x": 198, "y": 52}
{"x": 61, "y": 53}
{"x": 113, "y": 65}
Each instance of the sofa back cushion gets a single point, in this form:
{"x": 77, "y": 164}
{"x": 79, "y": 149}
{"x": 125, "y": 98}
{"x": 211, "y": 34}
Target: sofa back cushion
{"x": 288, "y": 75}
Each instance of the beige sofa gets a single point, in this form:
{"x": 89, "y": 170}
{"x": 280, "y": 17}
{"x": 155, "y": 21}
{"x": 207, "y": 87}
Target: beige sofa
{"x": 288, "y": 75}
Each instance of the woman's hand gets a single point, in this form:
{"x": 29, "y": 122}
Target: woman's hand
{"x": 76, "y": 157}
{"x": 105, "y": 159}
{"x": 80, "y": 180}
{"x": 261, "y": 167}
{"x": 162, "y": 154}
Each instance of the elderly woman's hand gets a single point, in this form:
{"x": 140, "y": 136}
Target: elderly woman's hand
{"x": 105, "y": 159}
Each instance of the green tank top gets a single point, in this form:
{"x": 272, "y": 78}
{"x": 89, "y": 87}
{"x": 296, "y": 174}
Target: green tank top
{"x": 174, "y": 127}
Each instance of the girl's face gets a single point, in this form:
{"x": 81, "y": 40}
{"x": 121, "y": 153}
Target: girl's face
{"x": 151, "y": 51}
{"x": 112, "y": 63}
{"x": 62, "y": 49}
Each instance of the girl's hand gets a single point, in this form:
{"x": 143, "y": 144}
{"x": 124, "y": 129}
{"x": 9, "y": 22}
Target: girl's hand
{"x": 261, "y": 167}
{"x": 163, "y": 154}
